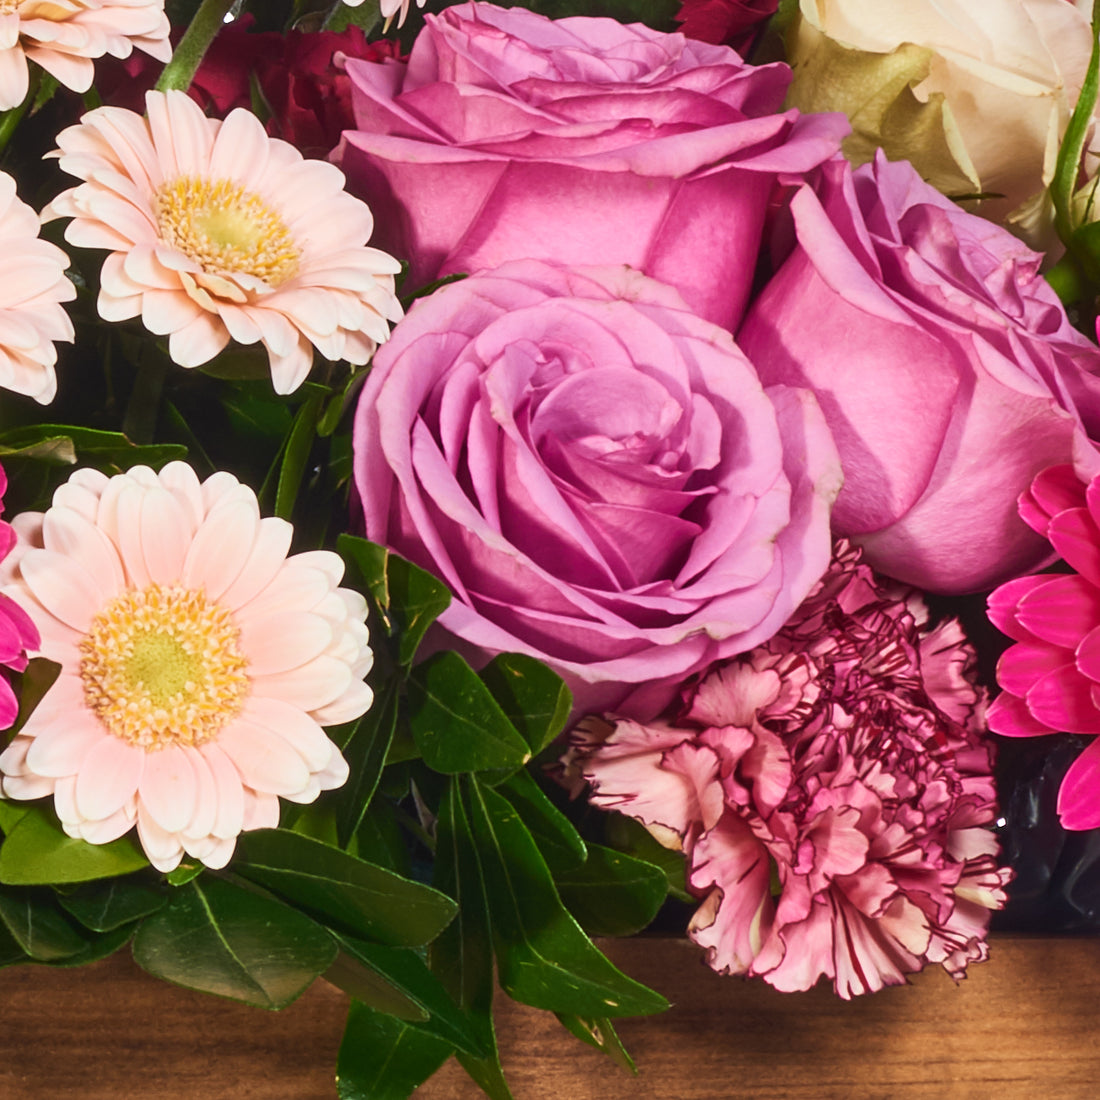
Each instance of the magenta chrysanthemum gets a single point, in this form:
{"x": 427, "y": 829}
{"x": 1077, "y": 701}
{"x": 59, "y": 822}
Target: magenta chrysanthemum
{"x": 17, "y": 632}
{"x": 1051, "y": 676}
{"x": 841, "y": 758}
{"x": 33, "y": 285}
{"x": 65, "y": 36}
{"x": 198, "y": 662}
{"x": 219, "y": 232}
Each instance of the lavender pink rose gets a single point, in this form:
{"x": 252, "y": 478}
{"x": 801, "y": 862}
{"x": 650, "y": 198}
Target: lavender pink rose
{"x": 944, "y": 363}
{"x": 596, "y": 473}
{"x": 509, "y": 136}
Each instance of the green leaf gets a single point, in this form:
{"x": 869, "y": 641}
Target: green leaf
{"x": 625, "y": 834}
{"x": 67, "y": 444}
{"x": 382, "y": 1058}
{"x": 365, "y": 753}
{"x": 104, "y": 906}
{"x": 406, "y": 973}
{"x": 457, "y": 724}
{"x": 11, "y": 954}
{"x": 37, "y": 851}
{"x": 559, "y": 842}
{"x": 612, "y": 894}
{"x": 544, "y": 959}
{"x": 462, "y": 956}
{"x": 221, "y": 938}
{"x": 369, "y": 560}
{"x": 33, "y": 683}
{"x": 11, "y": 813}
{"x": 184, "y": 873}
{"x": 346, "y": 893}
{"x": 38, "y": 925}
{"x": 296, "y": 456}
{"x": 534, "y": 697}
{"x": 409, "y": 599}
{"x": 600, "y": 1034}
{"x": 99, "y": 947}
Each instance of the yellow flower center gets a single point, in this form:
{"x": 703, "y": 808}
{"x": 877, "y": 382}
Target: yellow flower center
{"x": 7, "y": 7}
{"x": 162, "y": 666}
{"x": 226, "y": 229}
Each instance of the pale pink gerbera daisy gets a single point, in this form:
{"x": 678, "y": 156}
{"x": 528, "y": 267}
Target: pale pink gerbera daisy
{"x": 64, "y": 36}
{"x": 32, "y": 287}
{"x": 198, "y": 662}
{"x": 390, "y": 8}
{"x": 220, "y": 232}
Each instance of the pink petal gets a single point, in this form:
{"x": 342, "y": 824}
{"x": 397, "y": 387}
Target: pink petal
{"x": 229, "y": 819}
{"x": 168, "y": 788}
{"x": 108, "y": 778}
{"x": 1063, "y": 700}
{"x": 1010, "y": 717}
{"x": 1074, "y": 535}
{"x": 1003, "y": 603}
{"x": 1022, "y": 664}
{"x": 266, "y": 762}
{"x": 1079, "y": 795}
{"x": 1061, "y": 611}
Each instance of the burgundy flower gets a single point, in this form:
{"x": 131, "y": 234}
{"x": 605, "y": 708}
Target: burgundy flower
{"x": 843, "y": 758}
{"x": 300, "y": 78}
{"x": 1051, "y": 676}
{"x": 724, "y": 22}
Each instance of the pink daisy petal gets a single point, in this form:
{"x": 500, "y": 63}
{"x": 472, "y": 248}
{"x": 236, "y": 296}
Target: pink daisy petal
{"x": 174, "y": 709}
{"x": 1062, "y": 700}
{"x": 1061, "y": 611}
{"x": 1088, "y": 655}
{"x": 1022, "y": 664}
{"x": 1010, "y": 717}
{"x": 1079, "y": 794}
{"x": 1074, "y": 535}
{"x": 148, "y": 185}
{"x": 108, "y": 778}
{"x": 1003, "y": 603}
{"x": 1053, "y": 490}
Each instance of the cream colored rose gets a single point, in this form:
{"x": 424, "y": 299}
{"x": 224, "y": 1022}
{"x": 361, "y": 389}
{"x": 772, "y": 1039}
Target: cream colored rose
{"x": 977, "y": 96}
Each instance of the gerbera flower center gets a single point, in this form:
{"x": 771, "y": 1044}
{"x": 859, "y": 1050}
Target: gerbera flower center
{"x": 162, "y": 666}
{"x": 226, "y": 229}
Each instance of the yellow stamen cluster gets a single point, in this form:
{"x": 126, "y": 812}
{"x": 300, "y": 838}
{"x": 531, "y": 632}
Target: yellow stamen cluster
{"x": 226, "y": 229}
{"x": 162, "y": 666}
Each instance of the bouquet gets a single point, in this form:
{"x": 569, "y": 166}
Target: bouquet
{"x": 482, "y": 478}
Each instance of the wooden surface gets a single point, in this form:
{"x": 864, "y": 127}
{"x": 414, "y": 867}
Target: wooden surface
{"x": 1025, "y": 1024}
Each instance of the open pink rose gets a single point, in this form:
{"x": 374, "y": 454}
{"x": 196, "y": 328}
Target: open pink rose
{"x": 596, "y": 473}
{"x": 944, "y": 363}
{"x": 511, "y": 136}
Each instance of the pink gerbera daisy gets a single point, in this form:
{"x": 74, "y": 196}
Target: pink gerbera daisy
{"x": 64, "y": 36}
{"x": 220, "y": 232}
{"x": 17, "y": 632}
{"x": 841, "y": 761}
{"x": 32, "y": 287}
{"x": 1051, "y": 676}
{"x": 198, "y": 662}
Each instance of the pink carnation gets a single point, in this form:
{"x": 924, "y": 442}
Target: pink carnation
{"x": 843, "y": 758}
{"x": 1051, "y": 676}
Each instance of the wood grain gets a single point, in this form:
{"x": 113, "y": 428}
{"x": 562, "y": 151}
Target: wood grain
{"x": 1024, "y": 1024}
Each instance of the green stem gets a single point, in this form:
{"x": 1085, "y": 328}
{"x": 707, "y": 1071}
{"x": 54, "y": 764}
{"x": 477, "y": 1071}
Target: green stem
{"x": 188, "y": 55}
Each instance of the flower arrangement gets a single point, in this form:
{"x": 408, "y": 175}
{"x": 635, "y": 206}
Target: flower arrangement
{"x": 477, "y": 481}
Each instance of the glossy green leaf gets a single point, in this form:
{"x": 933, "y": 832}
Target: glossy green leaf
{"x": 625, "y": 834}
{"x": 383, "y": 1058}
{"x": 104, "y": 906}
{"x": 98, "y": 947}
{"x": 600, "y": 1034}
{"x": 299, "y": 443}
{"x": 365, "y": 753}
{"x": 11, "y": 813}
{"x": 38, "y": 925}
{"x": 463, "y": 955}
{"x": 534, "y": 697}
{"x": 67, "y": 444}
{"x": 406, "y": 973}
{"x": 184, "y": 873}
{"x": 218, "y": 937}
{"x": 559, "y": 842}
{"x": 347, "y": 893}
{"x": 11, "y": 954}
{"x": 543, "y": 957}
{"x": 417, "y": 599}
{"x": 612, "y": 894}
{"x": 369, "y": 560}
{"x": 37, "y": 851}
{"x": 457, "y": 724}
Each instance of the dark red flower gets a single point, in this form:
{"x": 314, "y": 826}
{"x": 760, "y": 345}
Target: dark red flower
{"x": 724, "y": 22}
